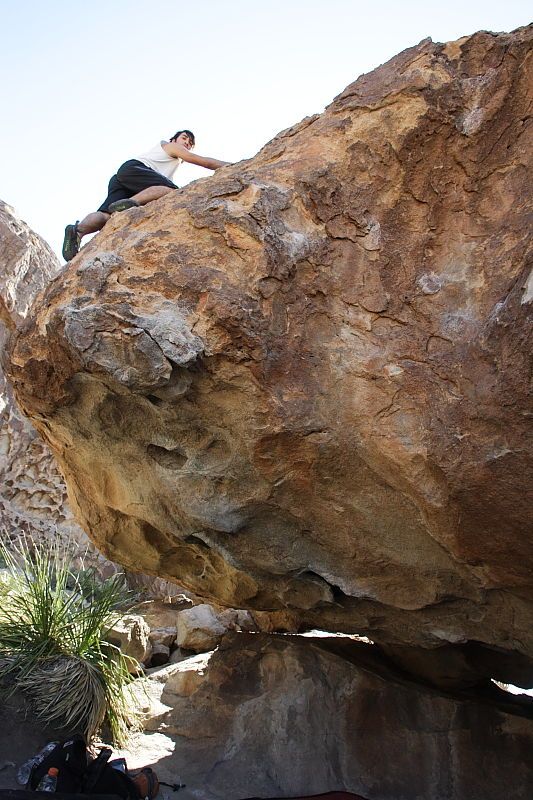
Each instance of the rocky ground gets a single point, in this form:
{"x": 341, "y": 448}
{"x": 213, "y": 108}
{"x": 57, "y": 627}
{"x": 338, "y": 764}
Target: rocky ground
{"x": 267, "y": 715}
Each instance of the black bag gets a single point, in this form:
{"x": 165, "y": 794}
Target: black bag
{"x": 77, "y": 772}
{"x": 71, "y": 759}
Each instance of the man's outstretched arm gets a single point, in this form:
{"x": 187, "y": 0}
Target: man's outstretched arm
{"x": 179, "y": 151}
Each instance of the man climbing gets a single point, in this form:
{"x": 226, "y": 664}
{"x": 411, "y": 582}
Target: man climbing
{"x": 137, "y": 182}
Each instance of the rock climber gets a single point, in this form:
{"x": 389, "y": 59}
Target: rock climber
{"x": 137, "y": 182}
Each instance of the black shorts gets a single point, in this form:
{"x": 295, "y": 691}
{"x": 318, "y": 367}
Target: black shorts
{"x": 132, "y": 177}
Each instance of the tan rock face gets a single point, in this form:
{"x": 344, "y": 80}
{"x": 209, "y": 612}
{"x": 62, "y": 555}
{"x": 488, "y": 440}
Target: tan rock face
{"x": 301, "y": 383}
{"x": 265, "y": 717}
{"x": 33, "y": 495}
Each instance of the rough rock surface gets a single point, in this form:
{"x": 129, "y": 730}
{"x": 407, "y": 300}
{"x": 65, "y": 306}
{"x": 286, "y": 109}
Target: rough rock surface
{"x": 28, "y": 266}
{"x": 302, "y": 383}
{"x": 292, "y": 718}
{"x": 33, "y": 497}
{"x": 132, "y": 634}
{"x": 281, "y": 716}
{"x": 165, "y": 636}
{"x": 199, "y": 629}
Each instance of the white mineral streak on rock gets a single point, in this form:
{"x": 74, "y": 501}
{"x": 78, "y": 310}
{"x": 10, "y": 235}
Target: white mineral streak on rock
{"x": 430, "y": 283}
{"x": 528, "y": 289}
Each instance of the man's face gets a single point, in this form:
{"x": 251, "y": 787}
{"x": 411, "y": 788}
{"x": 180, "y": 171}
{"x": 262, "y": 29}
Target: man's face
{"x": 185, "y": 140}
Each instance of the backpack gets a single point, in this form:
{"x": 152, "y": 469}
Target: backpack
{"x": 78, "y": 772}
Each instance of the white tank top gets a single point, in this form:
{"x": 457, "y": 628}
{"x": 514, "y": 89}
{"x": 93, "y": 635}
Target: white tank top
{"x": 158, "y": 159}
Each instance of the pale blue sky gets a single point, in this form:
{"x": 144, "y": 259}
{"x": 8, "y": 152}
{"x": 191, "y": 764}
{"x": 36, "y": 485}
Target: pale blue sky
{"x": 85, "y": 86}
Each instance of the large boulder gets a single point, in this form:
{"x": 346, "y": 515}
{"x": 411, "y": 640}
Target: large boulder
{"x": 301, "y": 383}
{"x": 281, "y": 717}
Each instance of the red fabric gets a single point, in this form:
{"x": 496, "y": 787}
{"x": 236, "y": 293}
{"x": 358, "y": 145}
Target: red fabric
{"x": 325, "y": 796}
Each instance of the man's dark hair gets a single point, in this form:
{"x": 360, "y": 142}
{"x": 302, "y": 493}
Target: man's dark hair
{"x": 190, "y": 134}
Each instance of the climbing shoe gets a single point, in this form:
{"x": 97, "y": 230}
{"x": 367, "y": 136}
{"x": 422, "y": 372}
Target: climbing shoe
{"x": 122, "y": 205}
{"x": 71, "y": 242}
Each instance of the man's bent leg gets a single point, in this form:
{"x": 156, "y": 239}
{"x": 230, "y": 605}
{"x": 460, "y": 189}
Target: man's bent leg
{"x": 151, "y": 193}
{"x": 140, "y": 199}
{"x": 92, "y": 223}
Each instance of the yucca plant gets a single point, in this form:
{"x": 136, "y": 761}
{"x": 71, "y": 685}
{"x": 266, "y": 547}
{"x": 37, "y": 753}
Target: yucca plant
{"x": 52, "y": 626}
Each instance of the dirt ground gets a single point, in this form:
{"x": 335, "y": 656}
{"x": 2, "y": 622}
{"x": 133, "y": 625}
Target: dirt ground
{"x": 22, "y": 736}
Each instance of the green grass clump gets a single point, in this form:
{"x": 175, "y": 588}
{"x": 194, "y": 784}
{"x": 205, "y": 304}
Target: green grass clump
{"x": 53, "y": 621}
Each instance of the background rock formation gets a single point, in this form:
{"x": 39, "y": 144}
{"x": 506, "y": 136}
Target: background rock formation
{"x": 302, "y": 382}
{"x": 32, "y": 490}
